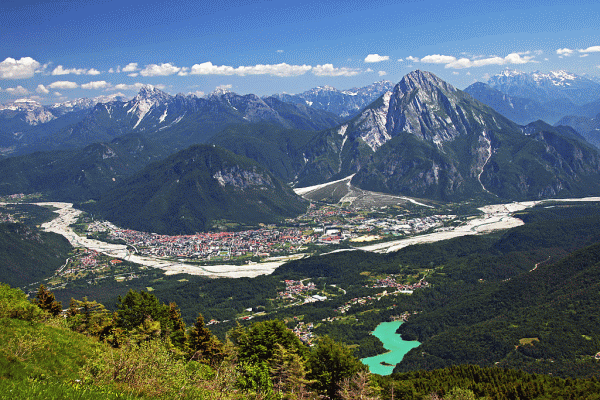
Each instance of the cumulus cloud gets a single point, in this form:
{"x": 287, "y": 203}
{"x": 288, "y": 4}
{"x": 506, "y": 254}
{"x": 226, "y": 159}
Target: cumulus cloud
{"x": 42, "y": 89}
{"x": 330, "y": 70}
{"x": 281, "y": 70}
{"x": 513, "y": 58}
{"x": 17, "y": 91}
{"x": 373, "y": 58}
{"x": 382, "y": 73}
{"x": 564, "y": 52}
{"x": 63, "y": 85}
{"x": 438, "y": 59}
{"x": 60, "y": 70}
{"x": 164, "y": 69}
{"x": 95, "y": 85}
{"x": 25, "y": 67}
{"x": 133, "y": 74}
{"x": 280, "y": 51}
{"x": 412, "y": 59}
{"x": 593, "y": 49}
{"x": 400, "y": 60}
{"x": 131, "y": 67}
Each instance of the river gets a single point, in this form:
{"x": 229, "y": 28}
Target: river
{"x": 397, "y": 348}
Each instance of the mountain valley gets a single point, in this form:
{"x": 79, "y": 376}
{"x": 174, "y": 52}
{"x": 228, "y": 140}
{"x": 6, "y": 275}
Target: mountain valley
{"x": 461, "y": 213}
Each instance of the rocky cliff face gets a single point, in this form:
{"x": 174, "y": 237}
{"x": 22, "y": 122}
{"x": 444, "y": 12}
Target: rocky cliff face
{"x": 429, "y": 139}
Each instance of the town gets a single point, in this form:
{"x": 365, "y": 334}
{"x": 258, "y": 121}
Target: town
{"x": 322, "y": 226}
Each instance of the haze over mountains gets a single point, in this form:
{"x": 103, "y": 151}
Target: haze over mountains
{"x": 527, "y": 97}
{"x": 421, "y": 138}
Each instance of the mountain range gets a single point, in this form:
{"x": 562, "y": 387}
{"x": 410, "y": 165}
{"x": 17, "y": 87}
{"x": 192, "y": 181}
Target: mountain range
{"x": 526, "y": 97}
{"x": 344, "y": 103}
{"x": 424, "y": 138}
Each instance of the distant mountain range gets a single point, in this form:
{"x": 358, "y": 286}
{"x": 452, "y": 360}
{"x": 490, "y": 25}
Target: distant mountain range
{"x": 424, "y": 138}
{"x": 344, "y": 103}
{"x": 589, "y": 128}
{"x": 527, "y": 97}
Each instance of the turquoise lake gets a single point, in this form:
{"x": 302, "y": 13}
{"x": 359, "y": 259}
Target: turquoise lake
{"x": 386, "y": 332}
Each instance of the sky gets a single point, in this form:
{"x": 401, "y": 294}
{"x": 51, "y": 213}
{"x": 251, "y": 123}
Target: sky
{"x": 59, "y": 50}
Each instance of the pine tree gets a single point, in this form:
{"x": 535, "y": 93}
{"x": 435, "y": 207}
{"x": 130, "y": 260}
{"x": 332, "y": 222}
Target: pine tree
{"x": 203, "y": 346}
{"x": 46, "y": 301}
{"x": 177, "y": 326}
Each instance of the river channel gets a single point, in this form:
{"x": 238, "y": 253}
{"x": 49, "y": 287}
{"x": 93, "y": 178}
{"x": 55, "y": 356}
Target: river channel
{"x": 397, "y": 348}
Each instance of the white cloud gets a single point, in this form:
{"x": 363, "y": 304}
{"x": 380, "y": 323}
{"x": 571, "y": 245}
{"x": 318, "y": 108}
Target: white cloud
{"x": 57, "y": 94}
{"x": 412, "y": 59}
{"x": 438, "y": 59}
{"x": 185, "y": 71}
{"x": 224, "y": 87}
{"x": 280, "y": 51}
{"x": 133, "y": 74}
{"x": 164, "y": 69}
{"x": 382, "y": 73}
{"x": 400, "y": 60}
{"x": 368, "y": 70}
{"x": 538, "y": 52}
{"x": 198, "y": 93}
{"x": 63, "y": 85}
{"x": 593, "y": 49}
{"x": 111, "y": 71}
{"x": 17, "y": 91}
{"x": 513, "y": 58}
{"x": 93, "y": 71}
{"x": 329, "y": 70}
{"x": 42, "y": 89}
{"x": 25, "y": 67}
{"x": 131, "y": 67}
{"x": 584, "y": 55}
{"x": 564, "y": 52}
{"x": 95, "y": 85}
{"x": 373, "y": 58}
{"x": 136, "y": 86}
{"x": 59, "y": 70}
{"x": 455, "y": 73}
{"x": 281, "y": 70}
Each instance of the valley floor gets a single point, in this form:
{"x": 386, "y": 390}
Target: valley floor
{"x": 495, "y": 217}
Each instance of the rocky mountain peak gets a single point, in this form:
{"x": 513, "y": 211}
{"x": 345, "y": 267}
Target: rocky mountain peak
{"x": 423, "y": 80}
{"x": 426, "y": 106}
{"x": 149, "y": 92}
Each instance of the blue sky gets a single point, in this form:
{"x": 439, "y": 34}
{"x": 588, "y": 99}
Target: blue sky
{"x": 57, "y": 50}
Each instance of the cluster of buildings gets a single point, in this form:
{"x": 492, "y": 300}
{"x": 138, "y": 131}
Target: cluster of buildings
{"x": 326, "y": 225}
{"x": 305, "y": 332}
{"x": 210, "y": 245}
{"x": 400, "y": 289}
{"x": 390, "y": 282}
{"x": 295, "y": 288}
{"x": 7, "y": 218}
